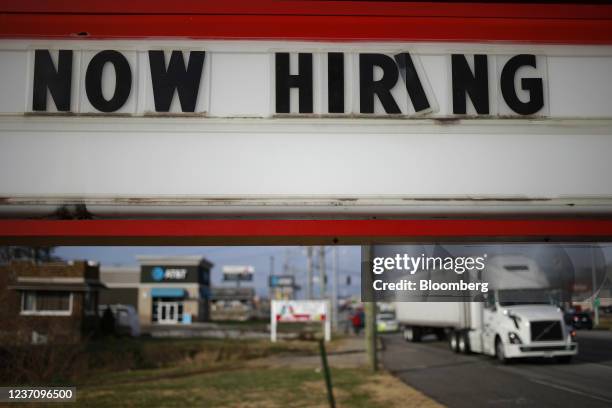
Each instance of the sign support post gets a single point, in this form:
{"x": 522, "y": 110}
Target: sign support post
{"x": 327, "y": 327}
{"x": 273, "y": 336}
{"x": 334, "y": 299}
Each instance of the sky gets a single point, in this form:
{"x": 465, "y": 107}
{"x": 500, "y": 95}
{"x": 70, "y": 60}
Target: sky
{"x": 286, "y": 260}
{"x": 259, "y": 257}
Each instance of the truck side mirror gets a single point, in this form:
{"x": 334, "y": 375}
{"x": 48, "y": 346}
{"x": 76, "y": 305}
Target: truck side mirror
{"x": 490, "y": 302}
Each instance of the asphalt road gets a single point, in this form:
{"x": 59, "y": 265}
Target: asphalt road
{"x": 457, "y": 380}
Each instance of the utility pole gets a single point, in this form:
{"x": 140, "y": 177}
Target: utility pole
{"x": 335, "y": 288}
{"x": 286, "y": 263}
{"x": 288, "y": 292}
{"x": 370, "y": 311}
{"x": 309, "y": 273}
{"x": 273, "y": 291}
{"x": 594, "y": 300}
{"x": 322, "y": 271}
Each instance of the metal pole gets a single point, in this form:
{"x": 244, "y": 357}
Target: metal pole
{"x": 370, "y": 311}
{"x": 370, "y": 329}
{"x": 273, "y": 323}
{"x": 594, "y": 303}
{"x": 322, "y": 271}
{"x": 274, "y": 290}
{"x": 335, "y": 288}
{"x": 328, "y": 383}
{"x": 309, "y": 274}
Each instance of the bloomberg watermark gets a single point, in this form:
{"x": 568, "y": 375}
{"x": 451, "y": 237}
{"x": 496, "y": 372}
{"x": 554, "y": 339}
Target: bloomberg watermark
{"x": 470, "y": 272}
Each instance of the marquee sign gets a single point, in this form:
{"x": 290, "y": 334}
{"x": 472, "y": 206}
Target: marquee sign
{"x": 218, "y": 79}
{"x": 294, "y": 128}
{"x": 520, "y": 81}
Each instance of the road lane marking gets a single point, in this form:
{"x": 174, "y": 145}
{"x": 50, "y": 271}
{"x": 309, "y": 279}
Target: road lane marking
{"x": 587, "y": 362}
{"x": 571, "y": 390}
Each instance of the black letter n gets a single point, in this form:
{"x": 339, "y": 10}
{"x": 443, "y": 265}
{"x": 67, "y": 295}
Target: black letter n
{"x": 465, "y": 83}
{"x": 57, "y": 81}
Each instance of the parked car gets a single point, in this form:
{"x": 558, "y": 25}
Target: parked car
{"x": 126, "y": 319}
{"x": 579, "y": 320}
{"x": 606, "y": 309}
{"x": 386, "y": 322}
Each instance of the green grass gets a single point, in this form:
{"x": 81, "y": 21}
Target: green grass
{"x": 259, "y": 387}
{"x": 150, "y": 372}
{"x": 145, "y": 353}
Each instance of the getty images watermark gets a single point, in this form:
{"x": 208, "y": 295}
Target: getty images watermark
{"x": 422, "y": 263}
{"x": 409, "y": 276}
{"x": 518, "y": 272}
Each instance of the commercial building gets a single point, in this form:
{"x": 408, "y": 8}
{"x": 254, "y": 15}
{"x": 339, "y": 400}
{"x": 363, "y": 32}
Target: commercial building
{"x": 122, "y": 285}
{"x": 163, "y": 289}
{"x": 232, "y": 303}
{"x": 48, "y": 302}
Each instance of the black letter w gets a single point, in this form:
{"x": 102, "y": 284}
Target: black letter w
{"x": 176, "y": 77}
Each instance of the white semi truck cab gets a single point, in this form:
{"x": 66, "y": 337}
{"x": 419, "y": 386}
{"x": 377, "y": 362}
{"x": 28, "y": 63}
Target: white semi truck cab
{"x": 514, "y": 329}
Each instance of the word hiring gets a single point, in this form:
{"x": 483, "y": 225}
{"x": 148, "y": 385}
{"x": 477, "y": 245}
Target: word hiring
{"x": 466, "y": 83}
{"x": 413, "y": 264}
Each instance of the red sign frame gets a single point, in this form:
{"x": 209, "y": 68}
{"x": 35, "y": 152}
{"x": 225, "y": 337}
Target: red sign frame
{"x": 309, "y": 20}
{"x": 297, "y": 232}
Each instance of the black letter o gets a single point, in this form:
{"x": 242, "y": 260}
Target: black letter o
{"x": 93, "y": 81}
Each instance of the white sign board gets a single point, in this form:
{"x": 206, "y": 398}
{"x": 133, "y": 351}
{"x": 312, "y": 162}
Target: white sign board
{"x": 238, "y": 272}
{"x": 225, "y": 79}
{"x": 300, "y": 127}
{"x": 293, "y": 311}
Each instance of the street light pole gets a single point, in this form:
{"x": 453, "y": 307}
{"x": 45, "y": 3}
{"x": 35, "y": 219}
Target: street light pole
{"x": 335, "y": 288}
{"x": 370, "y": 311}
{"x": 594, "y": 302}
{"x": 309, "y": 273}
{"x": 322, "y": 271}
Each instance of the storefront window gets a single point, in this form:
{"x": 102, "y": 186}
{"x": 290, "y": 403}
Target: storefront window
{"x": 167, "y": 310}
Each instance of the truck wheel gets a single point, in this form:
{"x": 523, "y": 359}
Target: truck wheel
{"x": 463, "y": 343}
{"x": 412, "y": 334}
{"x": 499, "y": 352}
{"x": 453, "y": 341}
{"x": 408, "y": 333}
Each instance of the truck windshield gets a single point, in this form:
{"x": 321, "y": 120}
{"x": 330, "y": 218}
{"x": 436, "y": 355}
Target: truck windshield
{"x": 525, "y": 297}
